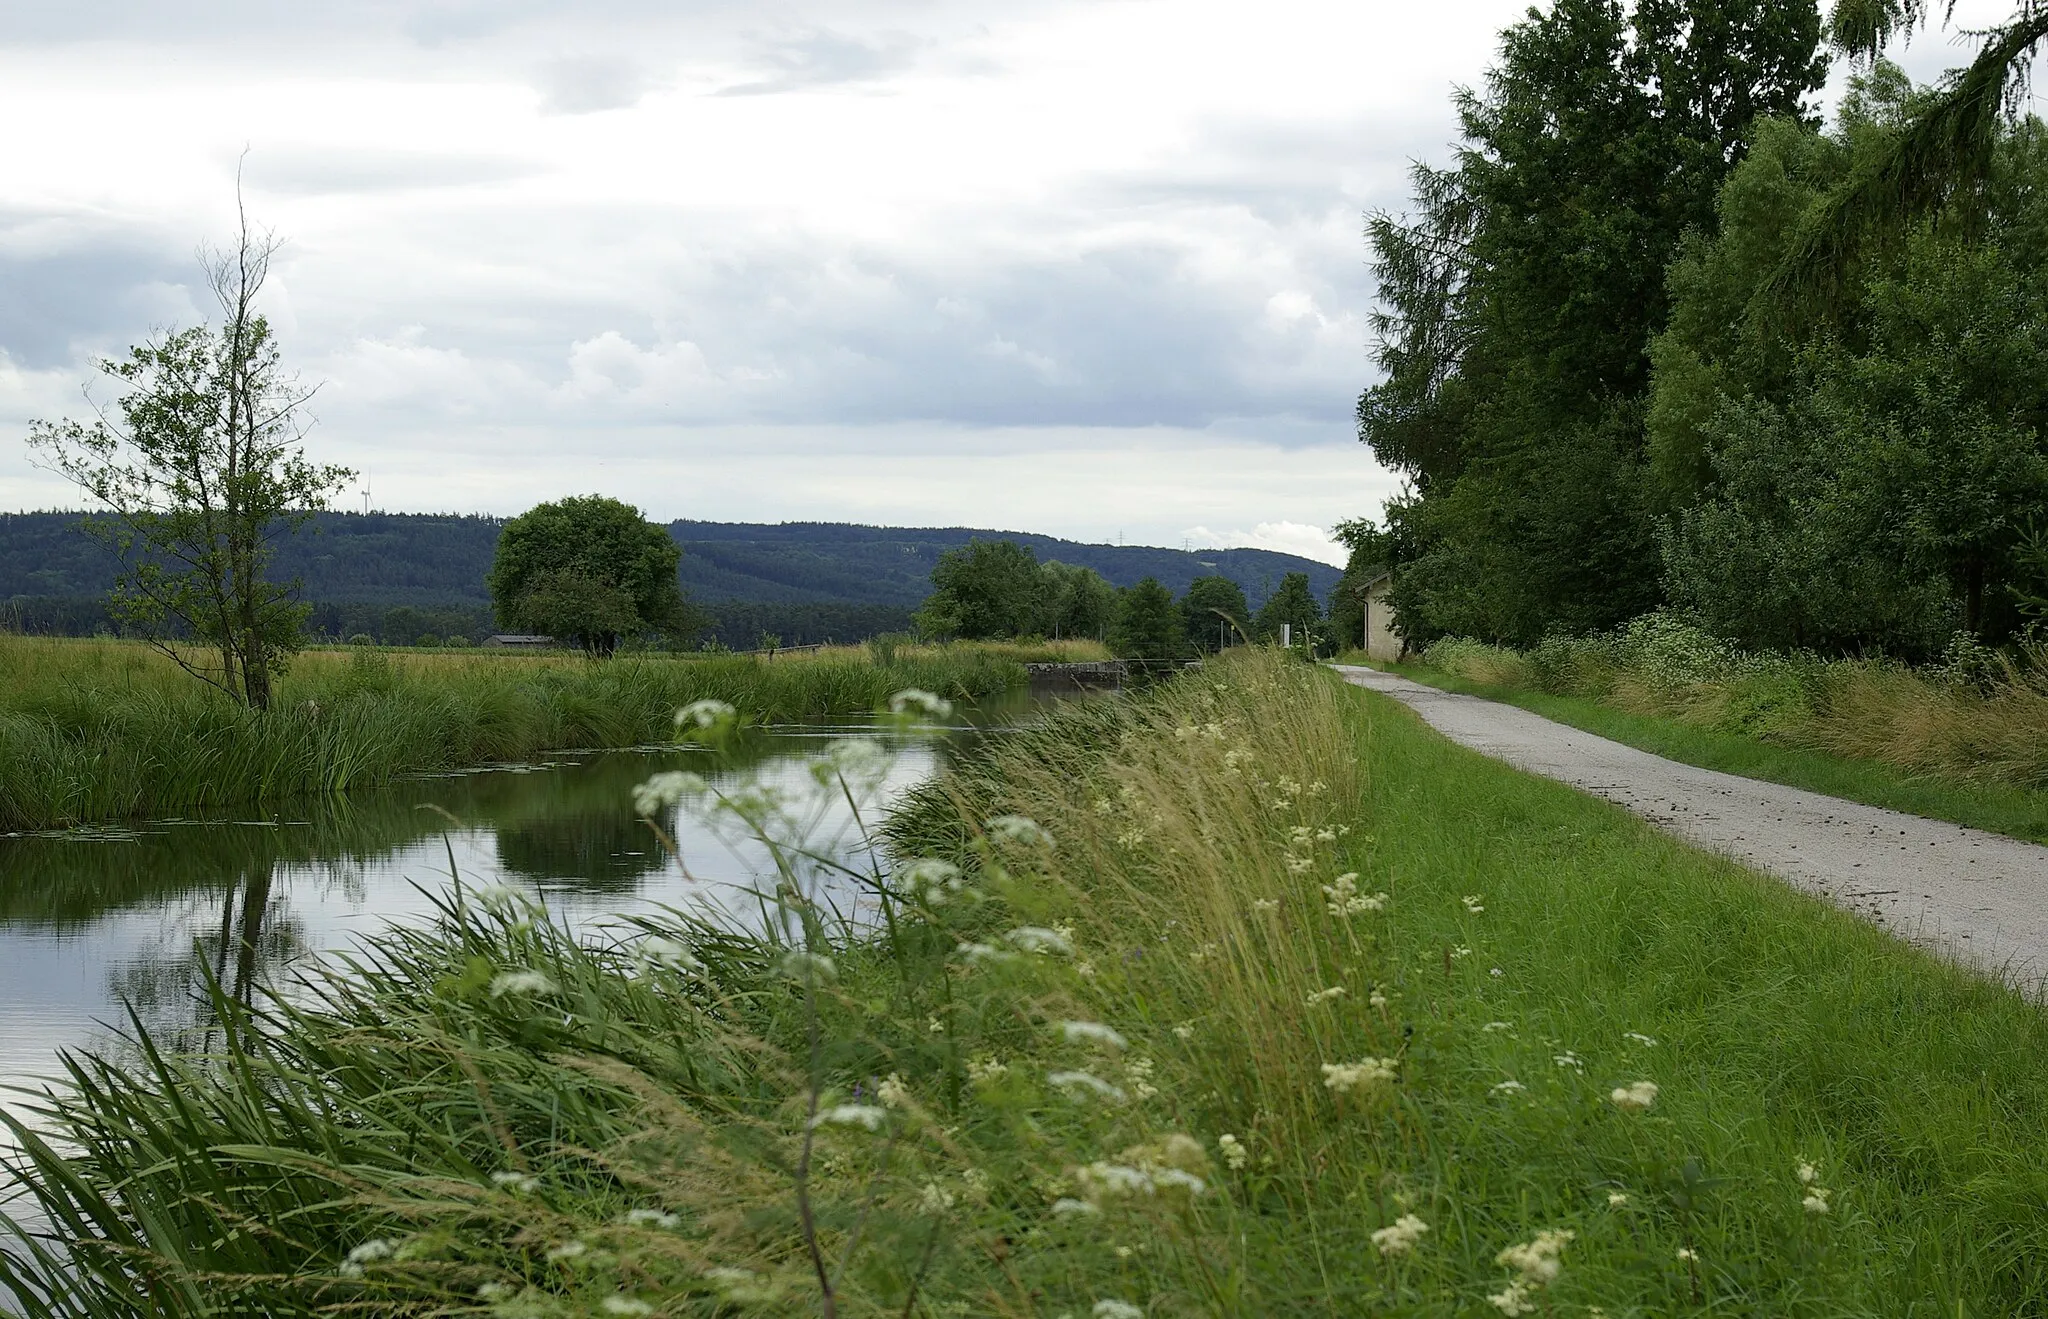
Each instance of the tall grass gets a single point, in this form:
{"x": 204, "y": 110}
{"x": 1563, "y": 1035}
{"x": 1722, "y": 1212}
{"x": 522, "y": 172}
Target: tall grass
{"x": 1977, "y": 719}
{"x": 613, "y": 1137}
{"x": 109, "y": 730}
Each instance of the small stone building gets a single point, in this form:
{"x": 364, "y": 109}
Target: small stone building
{"x": 519, "y": 641}
{"x": 1381, "y": 641}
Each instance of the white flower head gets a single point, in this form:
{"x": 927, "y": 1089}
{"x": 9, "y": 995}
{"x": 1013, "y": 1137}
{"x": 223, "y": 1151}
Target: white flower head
{"x": 1508, "y": 1087}
{"x": 1109, "y": 1309}
{"x": 1401, "y": 1237}
{"x": 705, "y": 714}
{"x": 624, "y": 1305}
{"x": 1346, "y": 900}
{"x": 867, "y": 1116}
{"x": 1537, "y": 1261}
{"x": 1639, "y": 1038}
{"x": 666, "y": 789}
{"x": 893, "y": 1092}
{"x": 652, "y": 1218}
{"x": 1514, "y": 1300}
{"x": 520, "y": 982}
{"x": 667, "y": 954}
{"x": 1366, "y": 1076}
{"x": 1039, "y": 939}
{"x": 1091, "y": 1032}
{"x": 987, "y": 1071}
{"x": 1084, "y": 1083}
{"x": 1473, "y": 903}
{"x": 929, "y": 704}
{"x": 1322, "y": 996}
{"x": 1235, "y": 1155}
{"x": 1808, "y": 1174}
{"x": 1019, "y": 829}
{"x": 1687, "y": 1255}
{"x": 1067, "y": 1206}
{"x": 1492, "y": 1026}
{"x": 371, "y": 1251}
{"x": 1635, "y": 1096}
{"x": 518, "y": 1183}
{"x": 931, "y": 879}
{"x": 800, "y": 964}
{"x": 1815, "y": 1201}
{"x": 934, "y": 1199}
{"x": 567, "y": 1250}
{"x": 1265, "y": 904}
{"x": 859, "y": 758}
{"x": 1616, "y": 1199}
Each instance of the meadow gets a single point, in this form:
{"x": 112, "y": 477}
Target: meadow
{"x": 1964, "y": 741}
{"x": 97, "y": 730}
{"x": 1246, "y": 995}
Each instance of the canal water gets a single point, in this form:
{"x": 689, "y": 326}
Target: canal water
{"x": 96, "y": 922}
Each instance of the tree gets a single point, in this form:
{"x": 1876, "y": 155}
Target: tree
{"x": 1079, "y": 601}
{"x": 200, "y": 470}
{"x": 1293, "y": 604}
{"x": 1148, "y": 623}
{"x": 1216, "y": 612}
{"x": 1519, "y": 300}
{"x": 985, "y": 589}
{"x": 587, "y": 568}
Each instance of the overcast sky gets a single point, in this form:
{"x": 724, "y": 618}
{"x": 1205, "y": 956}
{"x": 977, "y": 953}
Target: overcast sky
{"x": 1092, "y": 269}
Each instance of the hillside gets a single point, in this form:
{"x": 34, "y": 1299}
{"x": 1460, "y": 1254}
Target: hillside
{"x": 398, "y": 575}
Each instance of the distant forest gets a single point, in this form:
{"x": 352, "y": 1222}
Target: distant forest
{"x": 398, "y": 577}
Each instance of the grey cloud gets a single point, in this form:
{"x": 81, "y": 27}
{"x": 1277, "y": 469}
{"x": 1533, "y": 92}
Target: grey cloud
{"x": 315, "y": 171}
{"x": 820, "y": 57}
{"x": 585, "y": 84}
{"x": 92, "y": 294}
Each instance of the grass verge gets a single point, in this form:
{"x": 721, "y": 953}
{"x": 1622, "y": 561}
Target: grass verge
{"x": 1996, "y": 807}
{"x": 1015, "y": 1099}
{"x": 102, "y": 730}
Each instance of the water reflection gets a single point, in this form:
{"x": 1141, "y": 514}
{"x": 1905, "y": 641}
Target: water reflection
{"x": 94, "y": 921}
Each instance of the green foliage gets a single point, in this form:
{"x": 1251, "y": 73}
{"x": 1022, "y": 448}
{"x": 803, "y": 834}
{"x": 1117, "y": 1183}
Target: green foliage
{"x": 1216, "y": 613}
{"x": 202, "y": 472}
{"x": 1867, "y": 483}
{"x": 1078, "y": 601}
{"x": 589, "y": 569}
{"x": 984, "y": 590}
{"x": 1520, "y": 300}
{"x": 1293, "y": 604}
{"x": 1149, "y": 624}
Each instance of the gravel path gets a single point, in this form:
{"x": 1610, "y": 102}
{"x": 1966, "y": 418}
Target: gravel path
{"x": 1979, "y": 898}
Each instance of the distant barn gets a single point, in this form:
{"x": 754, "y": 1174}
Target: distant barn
{"x": 520, "y": 640}
{"x": 1382, "y": 642}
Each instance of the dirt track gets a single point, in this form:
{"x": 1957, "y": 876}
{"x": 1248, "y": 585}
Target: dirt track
{"x": 1977, "y": 897}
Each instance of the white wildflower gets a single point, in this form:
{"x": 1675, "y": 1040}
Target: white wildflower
{"x": 1639, "y": 1038}
{"x": 624, "y": 1305}
{"x": 1322, "y": 996}
{"x": 934, "y": 1199}
{"x": 520, "y": 982}
{"x": 1265, "y": 904}
{"x": 1085, "y": 968}
{"x": 498, "y": 897}
{"x": 1508, "y": 1087}
{"x": 1346, "y": 900}
{"x": 976, "y": 1182}
{"x": 1461, "y": 951}
{"x": 1299, "y": 865}
{"x": 929, "y": 704}
{"x": 1473, "y": 904}
{"x": 1635, "y": 1096}
{"x": 893, "y": 1092}
{"x": 518, "y": 1183}
{"x": 1021, "y": 829}
{"x": 987, "y": 1071}
{"x": 1514, "y": 1300}
{"x": 1091, "y": 1032}
{"x": 652, "y": 1218}
{"x": 1492, "y": 1026}
{"x": 1571, "y": 1060}
{"x": 1138, "y": 1071}
{"x": 1108, "y": 1309}
{"x": 668, "y": 954}
{"x": 1815, "y": 1201}
{"x": 931, "y": 879}
{"x": 705, "y": 714}
{"x": 798, "y": 964}
{"x": 1401, "y": 1237}
{"x": 1326, "y": 835}
{"x": 369, "y": 1252}
{"x": 567, "y": 1250}
{"x": 496, "y": 1291}
{"x": 1378, "y": 999}
{"x": 1068, "y": 1205}
{"x": 1235, "y": 1155}
{"x": 1184, "y": 1031}
{"x": 666, "y": 789}
{"x": 852, "y": 1115}
{"x": 1616, "y": 1199}
{"x": 1084, "y": 1082}
{"x": 1038, "y": 939}
{"x": 1537, "y": 1261}
{"x": 1687, "y": 1255}
{"x": 978, "y": 953}
{"x": 1366, "y": 1075}
{"x": 1808, "y": 1174}
{"x": 1103, "y": 1180}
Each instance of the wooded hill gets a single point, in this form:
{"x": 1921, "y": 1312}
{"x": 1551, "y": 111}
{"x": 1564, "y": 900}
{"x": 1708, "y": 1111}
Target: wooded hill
{"x": 397, "y": 576}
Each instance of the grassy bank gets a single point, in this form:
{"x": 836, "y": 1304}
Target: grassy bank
{"x": 1144, "y": 1070}
{"x": 106, "y": 730}
{"x": 1967, "y": 743}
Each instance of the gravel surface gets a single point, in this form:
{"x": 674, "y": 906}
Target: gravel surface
{"x": 1976, "y": 897}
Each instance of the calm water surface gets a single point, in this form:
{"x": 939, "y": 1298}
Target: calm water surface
{"x": 94, "y": 920}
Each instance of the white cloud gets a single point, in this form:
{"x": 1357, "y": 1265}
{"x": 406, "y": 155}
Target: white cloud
{"x": 1287, "y": 537}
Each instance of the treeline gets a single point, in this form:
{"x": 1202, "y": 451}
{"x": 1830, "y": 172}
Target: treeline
{"x": 990, "y": 589}
{"x": 1619, "y": 378}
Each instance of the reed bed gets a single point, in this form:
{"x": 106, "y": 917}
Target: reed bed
{"x": 98, "y": 730}
{"x": 1298, "y": 1009}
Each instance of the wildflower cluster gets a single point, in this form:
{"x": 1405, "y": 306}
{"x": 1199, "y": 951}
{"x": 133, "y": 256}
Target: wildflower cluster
{"x": 1400, "y": 1238}
{"x": 1813, "y": 1196}
{"x": 1366, "y": 1078}
{"x": 1635, "y": 1096}
{"x": 1536, "y": 1264}
{"x": 1344, "y": 899}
